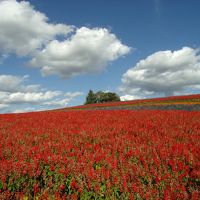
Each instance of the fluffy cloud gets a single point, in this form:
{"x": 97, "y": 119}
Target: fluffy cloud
{"x": 23, "y": 29}
{"x": 164, "y": 72}
{"x": 87, "y": 51}
{"x": 10, "y": 83}
{"x": 29, "y": 97}
{"x": 15, "y": 95}
{"x": 128, "y": 97}
{"x": 64, "y": 101}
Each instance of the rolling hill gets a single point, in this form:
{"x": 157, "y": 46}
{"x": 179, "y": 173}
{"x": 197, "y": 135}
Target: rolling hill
{"x": 186, "y": 102}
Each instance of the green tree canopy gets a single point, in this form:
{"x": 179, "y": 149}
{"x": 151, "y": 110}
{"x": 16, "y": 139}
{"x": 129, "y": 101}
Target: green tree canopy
{"x": 101, "y": 97}
{"x": 91, "y": 97}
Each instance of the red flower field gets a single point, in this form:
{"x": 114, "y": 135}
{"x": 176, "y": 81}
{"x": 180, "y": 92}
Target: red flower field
{"x": 108, "y": 154}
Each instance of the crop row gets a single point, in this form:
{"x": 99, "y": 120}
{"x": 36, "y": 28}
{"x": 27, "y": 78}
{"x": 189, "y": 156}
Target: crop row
{"x": 172, "y": 100}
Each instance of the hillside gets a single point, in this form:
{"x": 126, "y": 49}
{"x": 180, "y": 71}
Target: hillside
{"x": 187, "y": 102}
{"x": 103, "y": 151}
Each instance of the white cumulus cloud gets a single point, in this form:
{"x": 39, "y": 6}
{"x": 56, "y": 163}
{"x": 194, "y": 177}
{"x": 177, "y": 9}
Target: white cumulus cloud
{"x": 128, "y": 97}
{"x": 15, "y": 95}
{"x": 10, "y": 83}
{"x": 31, "y": 97}
{"x": 164, "y": 73}
{"x": 24, "y": 30}
{"x": 69, "y": 96}
{"x": 88, "y": 50}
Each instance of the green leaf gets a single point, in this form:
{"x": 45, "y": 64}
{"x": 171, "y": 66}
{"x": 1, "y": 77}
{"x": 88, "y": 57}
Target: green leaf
{"x": 1, "y": 185}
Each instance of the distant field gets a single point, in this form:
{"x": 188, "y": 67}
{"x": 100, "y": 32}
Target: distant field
{"x": 102, "y": 154}
{"x": 189, "y": 102}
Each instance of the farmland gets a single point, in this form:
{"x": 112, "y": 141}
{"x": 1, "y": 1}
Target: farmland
{"x": 100, "y": 154}
{"x": 187, "y": 102}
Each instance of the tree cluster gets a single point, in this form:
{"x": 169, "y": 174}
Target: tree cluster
{"x": 101, "y": 97}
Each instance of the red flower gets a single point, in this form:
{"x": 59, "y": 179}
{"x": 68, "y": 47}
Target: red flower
{"x": 74, "y": 184}
{"x": 62, "y": 187}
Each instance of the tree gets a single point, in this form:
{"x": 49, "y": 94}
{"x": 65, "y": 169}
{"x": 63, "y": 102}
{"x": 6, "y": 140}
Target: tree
{"x": 91, "y": 97}
{"x": 101, "y": 97}
{"x": 110, "y": 96}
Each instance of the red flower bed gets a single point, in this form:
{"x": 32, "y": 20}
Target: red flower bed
{"x": 100, "y": 154}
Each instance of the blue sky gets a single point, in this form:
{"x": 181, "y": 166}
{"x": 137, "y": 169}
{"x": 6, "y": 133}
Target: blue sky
{"x": 53, "y": 52}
